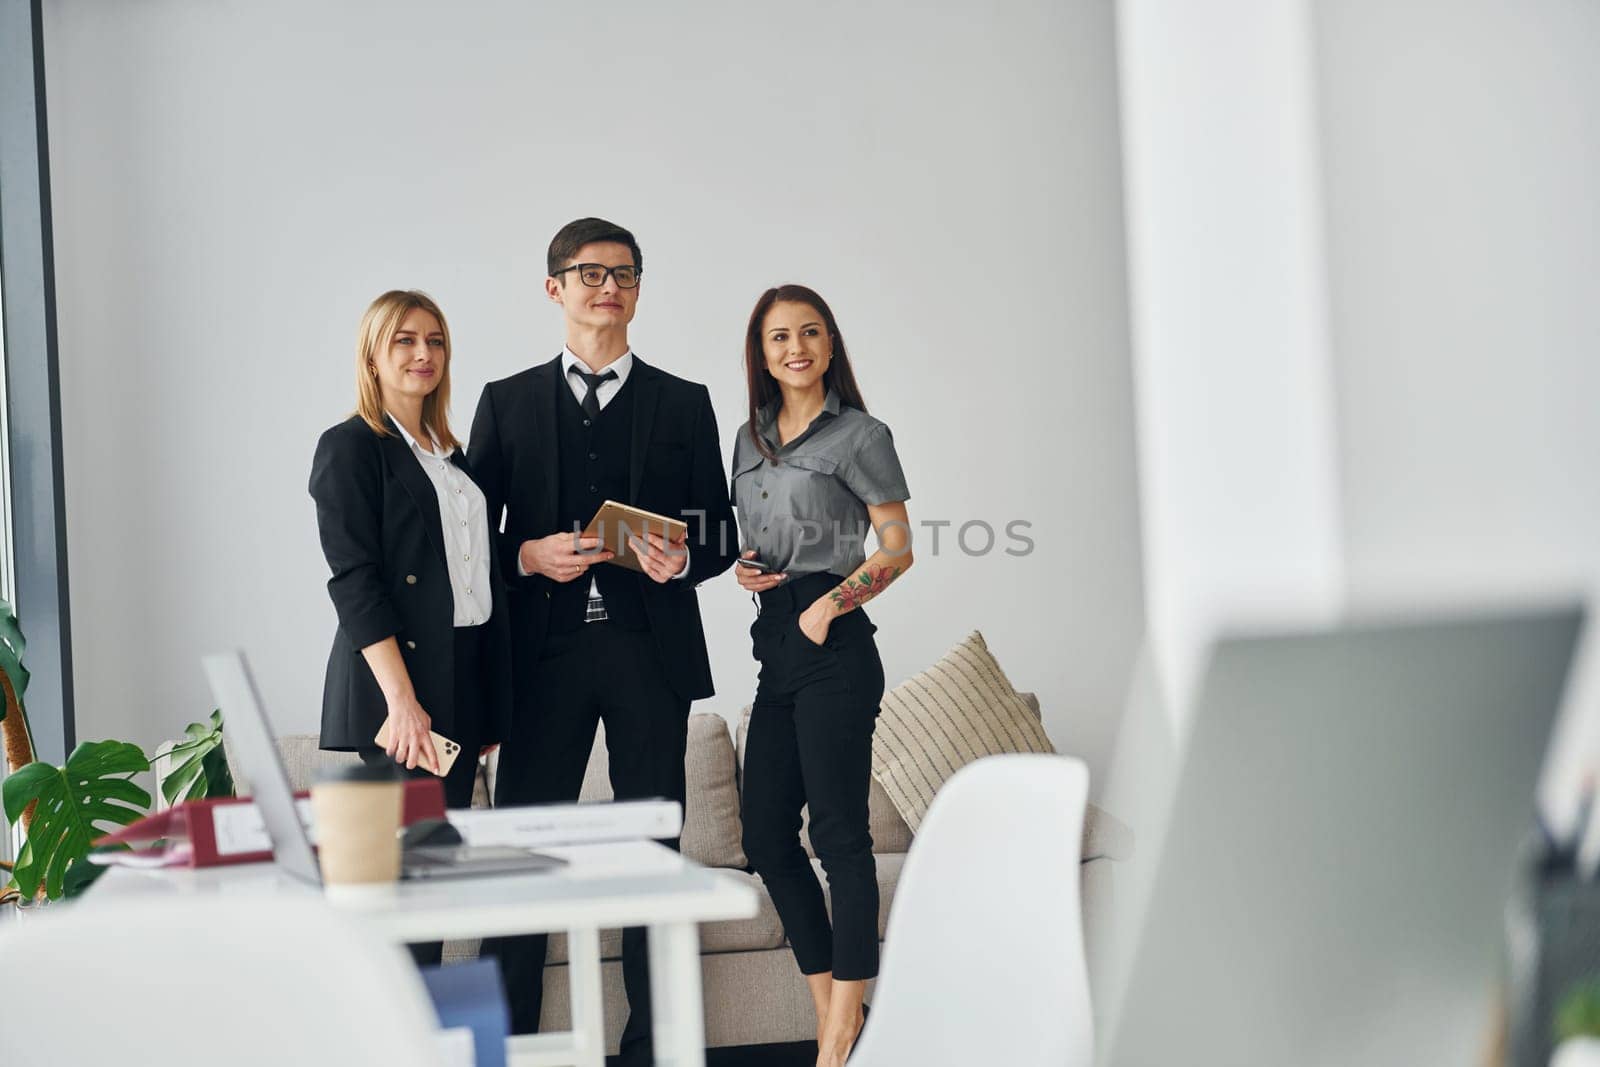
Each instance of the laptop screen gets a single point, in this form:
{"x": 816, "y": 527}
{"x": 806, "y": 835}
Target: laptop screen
{"x": 252, "y": 742}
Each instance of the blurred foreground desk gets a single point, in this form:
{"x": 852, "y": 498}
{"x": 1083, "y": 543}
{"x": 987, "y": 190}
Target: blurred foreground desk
{"x": 634, "y": 883}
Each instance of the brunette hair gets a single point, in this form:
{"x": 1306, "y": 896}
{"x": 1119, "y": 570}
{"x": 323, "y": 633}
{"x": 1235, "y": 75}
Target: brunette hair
{"x": 378, "y": 327}
{"x": 763, "y": 388}
{"x": 579, "y": 232}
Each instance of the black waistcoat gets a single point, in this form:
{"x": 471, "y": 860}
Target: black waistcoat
{"x": 593, "y": 461}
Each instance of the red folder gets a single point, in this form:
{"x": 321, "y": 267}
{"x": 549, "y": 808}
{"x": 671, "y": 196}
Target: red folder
{"x": 209, "y": 833}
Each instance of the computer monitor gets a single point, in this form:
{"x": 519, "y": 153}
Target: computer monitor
{"x": 1342, "y": 842}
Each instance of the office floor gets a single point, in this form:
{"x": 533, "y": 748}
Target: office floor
{"x": 797, "y": 1054}
{"x": 792, "y": 1054}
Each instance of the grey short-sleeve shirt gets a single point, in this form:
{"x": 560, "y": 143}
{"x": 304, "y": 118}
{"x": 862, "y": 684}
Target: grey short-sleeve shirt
{"x": 807, "y": 512}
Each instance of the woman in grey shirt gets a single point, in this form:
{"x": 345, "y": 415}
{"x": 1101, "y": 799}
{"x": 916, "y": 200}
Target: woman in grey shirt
{"x": 811, "y": 471}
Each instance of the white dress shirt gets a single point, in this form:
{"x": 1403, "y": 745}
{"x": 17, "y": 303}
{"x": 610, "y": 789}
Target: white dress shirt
{"x": 464, "y": 519}
{"x": 623, "y": 366}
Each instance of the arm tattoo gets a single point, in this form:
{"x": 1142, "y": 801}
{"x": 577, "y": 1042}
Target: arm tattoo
{"x": 863, "y": 587}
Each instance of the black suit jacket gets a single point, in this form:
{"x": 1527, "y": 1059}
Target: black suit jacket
{"x": 675, "y": 468}
{"x": 378, "y": 516}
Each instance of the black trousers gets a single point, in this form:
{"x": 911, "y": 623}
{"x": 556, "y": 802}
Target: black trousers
{"x": 810, "y": 743}
{"x": 599, "y": 672}
{"x": 466, "y": 731}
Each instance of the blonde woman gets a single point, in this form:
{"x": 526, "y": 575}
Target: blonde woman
{"x": 422, "y": 641}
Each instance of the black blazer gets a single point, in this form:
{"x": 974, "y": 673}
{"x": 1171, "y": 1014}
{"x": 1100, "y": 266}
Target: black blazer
{"x": 675, "y": 468}
{"x": 378, "y": 515}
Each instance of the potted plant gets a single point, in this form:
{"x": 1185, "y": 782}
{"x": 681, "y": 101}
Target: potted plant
{"x": 1578, "y": 1028}
{"x": 63, "y": 809}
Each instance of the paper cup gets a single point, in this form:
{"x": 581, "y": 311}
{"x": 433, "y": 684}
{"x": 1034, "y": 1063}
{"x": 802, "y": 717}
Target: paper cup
{"x": 357, "y": 812}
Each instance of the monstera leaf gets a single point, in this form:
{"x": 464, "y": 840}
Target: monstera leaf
{"x": 199, "y": 765}
{"x": 76, "y": 803}
{"x": 11, "y": 648}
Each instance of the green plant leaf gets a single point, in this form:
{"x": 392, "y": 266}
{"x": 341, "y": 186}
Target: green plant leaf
{"x": 199, "y": 765}
{"x": 12, "y": 645}
{"x": 1579, "y": 1012}
{"x": 78, "y": 802}
{"x": 83, "y": 874}
{"x": 23, "y": 861}
{"x": 219, "y": 776}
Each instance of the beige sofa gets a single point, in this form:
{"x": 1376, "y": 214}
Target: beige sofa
{"x": 753, "y": 992}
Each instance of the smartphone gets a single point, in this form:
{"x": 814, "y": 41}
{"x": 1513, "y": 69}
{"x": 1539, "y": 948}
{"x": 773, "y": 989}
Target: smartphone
{"x": 755, "y": 565}
{"x": 446, "y": 749}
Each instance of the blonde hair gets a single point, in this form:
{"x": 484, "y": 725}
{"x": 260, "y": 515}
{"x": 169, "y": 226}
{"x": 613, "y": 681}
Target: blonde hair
{"x": 378, "y": 327}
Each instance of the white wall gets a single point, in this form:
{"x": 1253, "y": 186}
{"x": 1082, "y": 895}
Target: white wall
{"x": 1463, "y": 155}
{"x": 1461, "y": 150}
{"x": 1237, "y": 453}
{"x": 1363, "y": 235}
{"x": 233, "y": 182}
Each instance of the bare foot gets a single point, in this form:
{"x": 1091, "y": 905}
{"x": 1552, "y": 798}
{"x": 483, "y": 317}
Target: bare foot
{"x": 836, "y": 1039}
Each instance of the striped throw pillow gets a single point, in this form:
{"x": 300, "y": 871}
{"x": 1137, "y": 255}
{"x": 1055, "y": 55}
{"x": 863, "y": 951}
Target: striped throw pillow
{"x": 936, "y": 722}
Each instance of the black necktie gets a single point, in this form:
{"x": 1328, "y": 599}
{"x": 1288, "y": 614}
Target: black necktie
{"x": 591, "y": 400}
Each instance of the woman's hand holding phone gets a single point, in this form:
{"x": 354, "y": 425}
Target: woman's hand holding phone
{"x": 409, "y": 743}
{"x": 754, "y": 576}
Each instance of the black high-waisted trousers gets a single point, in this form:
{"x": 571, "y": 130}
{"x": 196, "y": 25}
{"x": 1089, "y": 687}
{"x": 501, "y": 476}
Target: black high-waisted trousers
{"x": 810, "y": 743}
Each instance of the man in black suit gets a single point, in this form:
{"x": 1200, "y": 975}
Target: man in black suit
{"x": 593, "y": 641}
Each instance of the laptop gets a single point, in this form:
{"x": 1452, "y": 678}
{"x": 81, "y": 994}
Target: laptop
{"x": 1344, "y": 835}
{"x": 254, "y": 745}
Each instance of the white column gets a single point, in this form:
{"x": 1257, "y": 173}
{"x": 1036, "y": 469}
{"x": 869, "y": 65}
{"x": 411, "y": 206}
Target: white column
{"x": 1236, "y": 421}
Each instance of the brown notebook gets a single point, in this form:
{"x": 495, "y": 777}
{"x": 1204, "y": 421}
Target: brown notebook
{"x": 614, "y": 523}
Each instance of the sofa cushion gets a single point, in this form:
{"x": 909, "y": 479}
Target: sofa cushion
{"x": 302, "y": 761}
{"x": 711, "y": 828}
{"x": 935, "y": 722}
{"x": 713, "y": 833}
{"x": 763, "y": 930}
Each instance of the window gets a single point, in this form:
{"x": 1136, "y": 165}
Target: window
{"x": 8, "y": 580}
{"x": 33, "y": 549}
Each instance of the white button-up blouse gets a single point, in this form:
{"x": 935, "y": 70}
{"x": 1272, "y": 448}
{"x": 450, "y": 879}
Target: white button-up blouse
{"x": 464, "y": 514}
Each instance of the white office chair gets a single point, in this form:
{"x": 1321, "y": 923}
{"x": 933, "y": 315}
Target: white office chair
{"x": 247, "y": 981}
{"x": 983, "y": 959}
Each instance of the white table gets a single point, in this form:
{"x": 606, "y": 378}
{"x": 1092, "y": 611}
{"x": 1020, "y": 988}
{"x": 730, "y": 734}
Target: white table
{"x": 635, "y": 883}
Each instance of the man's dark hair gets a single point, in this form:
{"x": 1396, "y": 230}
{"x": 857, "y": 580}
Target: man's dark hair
{"x": 574, "y": 235}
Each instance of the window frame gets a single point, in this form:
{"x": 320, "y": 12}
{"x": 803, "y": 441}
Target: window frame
{"x": 36, "y": 543}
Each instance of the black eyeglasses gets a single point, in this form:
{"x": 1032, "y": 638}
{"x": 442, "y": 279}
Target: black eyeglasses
{"x": 594, "y": 274}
